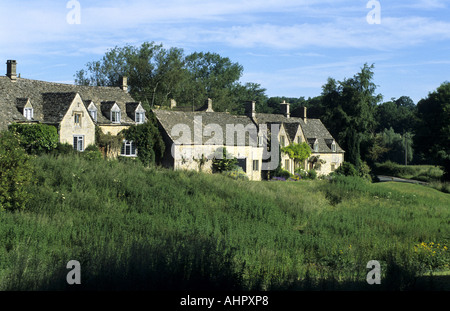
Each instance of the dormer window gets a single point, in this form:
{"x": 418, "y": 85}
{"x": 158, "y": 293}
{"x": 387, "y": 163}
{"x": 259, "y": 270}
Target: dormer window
{"x": 140, "y": 117}
{"x": 115, "y": 116}
{"x": 333, "y": 147}
{"x": 283, "y": 141}
{"x": 28, "y": 113}
{"x": 93, "y": 114}
{"x": 93, "y": 111}
{"x": 316, "y": 146}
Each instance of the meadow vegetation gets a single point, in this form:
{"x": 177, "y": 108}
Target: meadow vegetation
{"x": 137, "y": 228}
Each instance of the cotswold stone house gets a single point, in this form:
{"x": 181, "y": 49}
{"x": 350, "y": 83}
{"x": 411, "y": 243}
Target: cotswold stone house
{"x": 74, "y": 110}
{"x": 193, "y": 138}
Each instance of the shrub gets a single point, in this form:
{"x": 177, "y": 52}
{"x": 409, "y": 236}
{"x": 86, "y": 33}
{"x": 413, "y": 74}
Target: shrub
{"x": 312, "y": 174}
{"x": 223, "y": 161}
{"x": 236, "y": 173}
{"x": 148, "y": 140}
{"x": 15, "y": 173}
{"x": 92, "y": 153}
{"x": 346, "y": 169}
{"x": 36, "y": 138}
{"x": 282, "y": 173}
{"x": 63, "y": 149}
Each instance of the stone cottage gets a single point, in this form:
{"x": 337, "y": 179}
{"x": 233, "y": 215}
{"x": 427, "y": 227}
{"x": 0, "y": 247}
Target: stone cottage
{"x": 193, "y": 138}
{"x": 74, "y": 110}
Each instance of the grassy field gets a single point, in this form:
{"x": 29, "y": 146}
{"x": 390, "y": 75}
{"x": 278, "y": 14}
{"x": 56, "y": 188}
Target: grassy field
{"x": 135, "y": 228}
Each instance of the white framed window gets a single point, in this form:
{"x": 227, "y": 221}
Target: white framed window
{"x": 28, "y": 113}
{"x": 140, "y": 117}
{"x": 316, "y": 146}
{"x": 128, "y": 149}
{"x": 260, "y": 141}
{"x": 299, "y": 140}
{"x": 256, "y": 165}
{"x": 93, "y": 114}
{"x": 287, "y": 165}
{"x": 333, "y": 147}
{"x": 282, "y": 141}
{"x": 77, "y": 119}
{"x": 115, "y": 116}
{"x": 78, "y": 142}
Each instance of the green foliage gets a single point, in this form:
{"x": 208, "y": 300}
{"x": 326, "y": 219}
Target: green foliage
{"x": 297, "y": 152}
{"x": 432, "y": 139}
{"x": 346, "y": 169}
{"x": 36, "y": 138}
{"x": 399, "y": 114}
{"x": 312, "y": 174}
{"x": 202, "y": 231}
{"x": 63, "y": 149}
{"x": 149, "y": 143}
{"x": 223, "y": 161}
{"x": 349, "y": 110}
{"x": 92, "y": 153}
{"x": 110, "y": 144}
{"x": 15, "y": 173}
{"x": 426, "y": 173}
{"x": 236, "y": 173}
{"x": 156, "y": 75}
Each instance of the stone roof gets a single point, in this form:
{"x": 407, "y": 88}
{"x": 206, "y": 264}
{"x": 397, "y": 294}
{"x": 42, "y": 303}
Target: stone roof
{"x": 173, "y": 123}
{"x": 313, "y": 129}
{"x": 50, "y": 99}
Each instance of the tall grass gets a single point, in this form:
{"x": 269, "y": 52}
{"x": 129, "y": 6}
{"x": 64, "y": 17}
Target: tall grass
{"x": 133, "y": 227}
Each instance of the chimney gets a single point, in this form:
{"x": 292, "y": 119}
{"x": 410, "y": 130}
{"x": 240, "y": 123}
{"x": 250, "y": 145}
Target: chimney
{"x": 285, "y": 109}
{"x": 173, "y": 103}
{"x": 123, "y": 84}
{"x": 11, "y": 66}
{"x": 304, "y": 114}
{"x": 250, "y": 109}
{"x": 209, "y": 103}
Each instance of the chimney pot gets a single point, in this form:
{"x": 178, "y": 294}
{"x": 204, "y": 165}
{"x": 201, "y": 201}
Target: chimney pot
{"x": 210, "y": 108}
{"x": 250, "y": 109}
{"x": 285, "y": 109}
{"x": 123, "y": 83}
{"x": 304, "y": 114}
{"x": 11, "y": 67}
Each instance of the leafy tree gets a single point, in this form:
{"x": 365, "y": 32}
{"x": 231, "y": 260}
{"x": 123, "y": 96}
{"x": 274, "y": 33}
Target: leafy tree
{"x": 432, "y": 139}
{"x": 211, "y": 76}
{"x": 16, "y": 172}
{"x": 36, "y": 138}
{"x": 154, "y": 73}
{"x": 400, "y": 114}
{"x": 149, "y": 143}
{"x": 248, "y": 91}
{"x": 349, "y": 107}
{"x": 297, "y": 152}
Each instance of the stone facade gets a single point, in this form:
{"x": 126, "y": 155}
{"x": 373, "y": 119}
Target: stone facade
{"x": 189, "y": 138}
{"x": 75, "y": 110}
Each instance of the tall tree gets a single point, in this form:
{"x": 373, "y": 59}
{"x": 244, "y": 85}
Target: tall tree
{"x": 349, "y": 107}
{"x": 432, "y": 139}
{"x": 211, "y": 76}
{"x": 400, "y": 114}
{"x": 154, "y": 73}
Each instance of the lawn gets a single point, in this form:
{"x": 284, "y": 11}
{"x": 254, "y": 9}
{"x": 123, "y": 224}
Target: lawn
{"x": 132, "y": 227}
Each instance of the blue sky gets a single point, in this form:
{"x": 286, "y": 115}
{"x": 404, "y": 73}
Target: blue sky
{"x": 289, "y": 47}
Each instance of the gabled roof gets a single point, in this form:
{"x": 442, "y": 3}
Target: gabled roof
{"x": 34, "y": 90}
{"x": 178, "y": 119}
{"x": 55, "y": 106}
{"x": 312, "y": 129}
